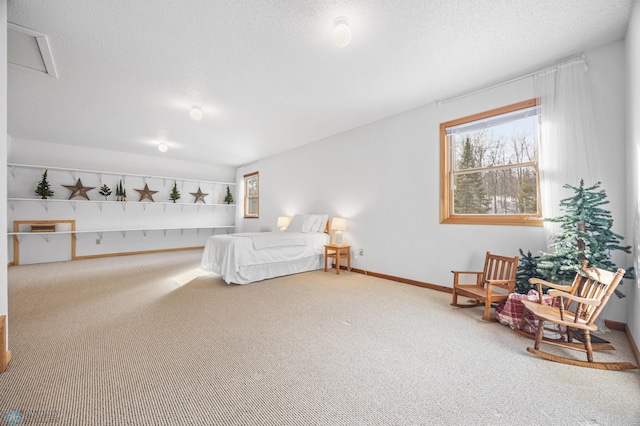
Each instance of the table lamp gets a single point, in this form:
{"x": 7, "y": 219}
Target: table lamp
{"x": 283, "y": 222}
{"x": 339, "y": 224}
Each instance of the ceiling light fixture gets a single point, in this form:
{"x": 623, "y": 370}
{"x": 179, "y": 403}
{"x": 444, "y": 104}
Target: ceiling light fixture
{"x": 162, "y": 148}
{"x": 196, "y": 113}
{"x": 341, "y": 32}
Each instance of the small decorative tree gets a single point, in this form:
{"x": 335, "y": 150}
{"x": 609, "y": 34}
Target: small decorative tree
{"x": 121, "y": 193}
{"x": 228, "y": 198}
{"x": 105, "y": 191}
{"x": 44, "y": 189}
{"x": 175, "y": 194}
{"x": 527, "y": 268}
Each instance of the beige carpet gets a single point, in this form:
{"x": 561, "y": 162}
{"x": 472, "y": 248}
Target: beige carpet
{"x": 118, "y": 342}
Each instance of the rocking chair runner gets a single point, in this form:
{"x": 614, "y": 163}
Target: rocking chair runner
{"x": 493, "y": 284}
{"x": 578, "y": 307}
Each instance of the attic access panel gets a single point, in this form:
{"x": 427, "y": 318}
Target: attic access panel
{"x": 29, "y": 49}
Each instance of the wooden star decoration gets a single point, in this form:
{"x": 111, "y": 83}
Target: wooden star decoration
{"x": 146, "y": 193}
{"x": 79, "y": 190}
{"x": 199, "y": 196}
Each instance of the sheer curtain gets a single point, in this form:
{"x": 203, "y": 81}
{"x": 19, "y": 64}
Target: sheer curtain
{"x": 566, "y": 134}
{"x": 567, "y": 151}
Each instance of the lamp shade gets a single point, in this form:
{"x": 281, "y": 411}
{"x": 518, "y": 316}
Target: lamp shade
{"x": 341, "y": 32}
{"x": 283, "y": 222}
{"x": 196, "y": 113}
{"x": 339, "y": 224}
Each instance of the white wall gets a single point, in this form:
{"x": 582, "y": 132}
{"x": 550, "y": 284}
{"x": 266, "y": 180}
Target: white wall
{"x": 4, "y": 308}
{"x": 384, "y": 178}
{"x": 633, "y": 159}
{"x": 608, "y": 89}
{"x": 97, "y": 216}
{"x": 24, "y": 151}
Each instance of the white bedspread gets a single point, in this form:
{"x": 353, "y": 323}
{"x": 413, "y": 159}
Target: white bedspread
{"x": 237, "y": 257}
{"x": 262, "y": 240}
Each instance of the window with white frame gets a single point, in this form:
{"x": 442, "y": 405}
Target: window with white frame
{"x": 489, "y": 167}
{"x": 252, "y": 195}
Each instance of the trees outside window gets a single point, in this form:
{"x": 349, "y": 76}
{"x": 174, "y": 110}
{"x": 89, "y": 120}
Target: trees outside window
{"x": 489, "y": 167}
{"x": 252, "y": 195}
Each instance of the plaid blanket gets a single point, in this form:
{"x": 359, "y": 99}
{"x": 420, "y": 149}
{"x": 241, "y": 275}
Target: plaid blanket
{"x": 511, "y": 313}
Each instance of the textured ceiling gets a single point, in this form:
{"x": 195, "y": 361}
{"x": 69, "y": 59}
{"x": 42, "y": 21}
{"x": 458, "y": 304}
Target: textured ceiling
{"x": 266, "y": 73}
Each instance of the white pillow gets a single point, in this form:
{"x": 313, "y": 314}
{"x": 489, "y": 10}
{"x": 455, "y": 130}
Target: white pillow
{"x": 322, "y": 223}
{"x": 308, "y": 223}
{"x": 317, "y": 219}
{"x": 296, "y": 223}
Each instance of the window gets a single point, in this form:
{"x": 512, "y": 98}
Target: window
{"x": 252, "y": 195}
{"x": 489, "y": 167}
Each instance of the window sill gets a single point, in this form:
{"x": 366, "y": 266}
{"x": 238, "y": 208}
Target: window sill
{"x": 509, "y": 220}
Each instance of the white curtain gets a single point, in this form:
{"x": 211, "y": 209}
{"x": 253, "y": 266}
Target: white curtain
{"x": 566, "y": 136}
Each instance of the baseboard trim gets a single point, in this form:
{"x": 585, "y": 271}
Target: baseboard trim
{"x": 632, "y": 343}
{"x": 126, "y": 253}
{"x": 621, "y": 326}
{"x": 129, "y": 253}
{"x": 615, "y": 325}
{"x": 403, "y": 280}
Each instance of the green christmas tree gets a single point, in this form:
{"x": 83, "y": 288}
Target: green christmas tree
{"x": 105, "y": 191}
{"x": 228, "y": 198}
{"x": 175, "y": 194}
{"x": 585, "y": 234}
{"x": 44, "y": 189}
{"x": 527, "y": 268}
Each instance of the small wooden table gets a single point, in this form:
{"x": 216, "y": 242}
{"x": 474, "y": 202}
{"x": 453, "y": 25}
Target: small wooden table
{"x": 336, "y": 252}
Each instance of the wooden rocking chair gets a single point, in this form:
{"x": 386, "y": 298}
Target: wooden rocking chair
{"x": 577, "y": 309}
{"x": 493, "y": 284}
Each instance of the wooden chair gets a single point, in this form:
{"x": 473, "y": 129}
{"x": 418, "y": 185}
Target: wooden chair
{"x": 493, "y": 284}
{"x": 577, "y": 308}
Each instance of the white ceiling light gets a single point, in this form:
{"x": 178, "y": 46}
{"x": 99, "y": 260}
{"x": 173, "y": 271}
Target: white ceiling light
{"x": 162, "y": 148}
{"x": 196, "y": 113}
{"x": 341, "y": 32}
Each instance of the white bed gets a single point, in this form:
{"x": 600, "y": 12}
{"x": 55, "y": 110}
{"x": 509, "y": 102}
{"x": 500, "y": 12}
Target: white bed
{"x": 243, "y": 258}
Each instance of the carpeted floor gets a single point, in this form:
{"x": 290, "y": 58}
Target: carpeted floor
{"x": 119, "y": 341}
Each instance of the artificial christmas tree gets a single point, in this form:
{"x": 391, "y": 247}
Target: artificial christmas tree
{"x": 228, "y": 198}
{"x": 175, "y": 194}
{"x": 527, "y": 268}
{"x": 44, "y": 189}
{"x": 585, "y": 234}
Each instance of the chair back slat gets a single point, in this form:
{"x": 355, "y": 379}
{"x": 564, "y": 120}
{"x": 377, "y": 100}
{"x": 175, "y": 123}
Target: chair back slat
{"x": 597, "y": 284}
{"x": 499, "y": 267}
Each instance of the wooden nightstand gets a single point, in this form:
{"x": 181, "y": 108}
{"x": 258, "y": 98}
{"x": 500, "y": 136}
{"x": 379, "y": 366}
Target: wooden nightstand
{"x": 336, "y": 252}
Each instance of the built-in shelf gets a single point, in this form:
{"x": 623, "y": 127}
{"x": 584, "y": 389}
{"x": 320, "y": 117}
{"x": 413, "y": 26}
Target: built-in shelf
{"x": 122, "y": 230}
{"x": 74, "y": 203}
{"x": 159, "y": 217}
